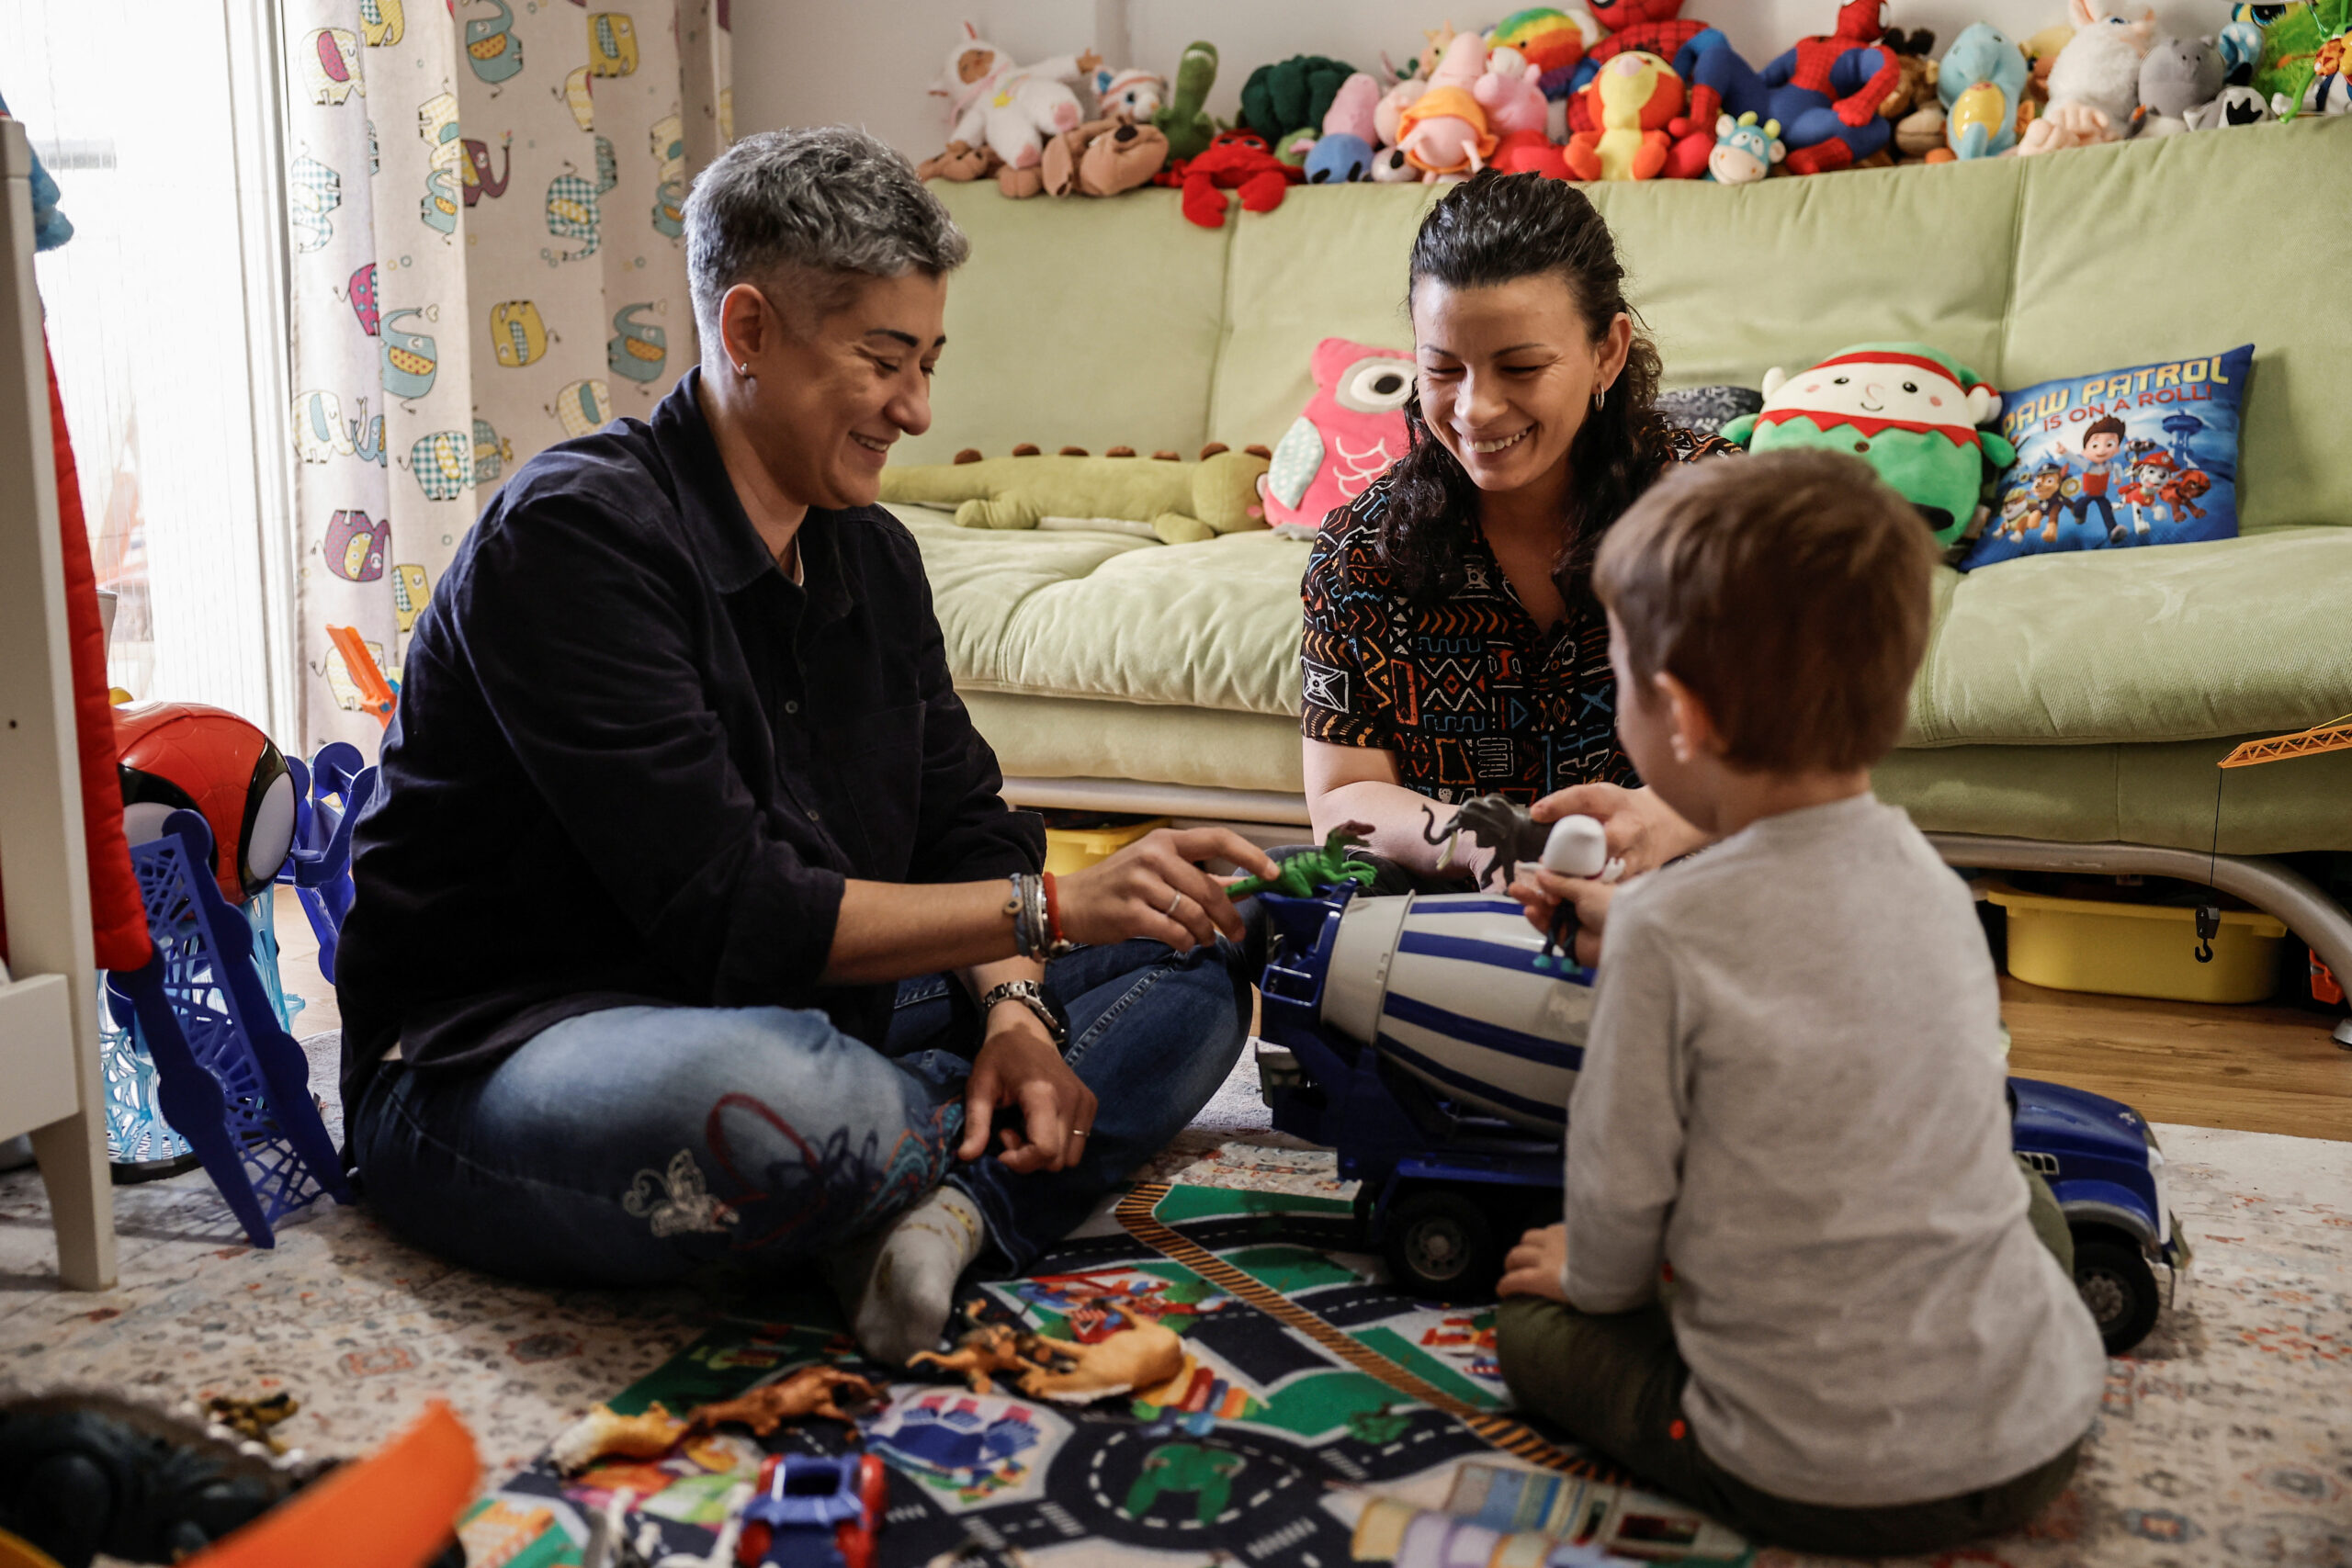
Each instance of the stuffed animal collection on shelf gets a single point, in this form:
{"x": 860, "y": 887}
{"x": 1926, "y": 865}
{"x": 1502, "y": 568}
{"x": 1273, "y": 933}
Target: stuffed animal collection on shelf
{"x": 1630, "y": 90}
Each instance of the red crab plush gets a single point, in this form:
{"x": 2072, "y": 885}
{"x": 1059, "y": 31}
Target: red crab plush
{"x": 1237, "y": 160}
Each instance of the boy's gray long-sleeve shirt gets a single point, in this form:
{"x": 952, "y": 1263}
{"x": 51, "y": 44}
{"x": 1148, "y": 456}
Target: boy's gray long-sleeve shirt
{"x": 1794, "y": 1094}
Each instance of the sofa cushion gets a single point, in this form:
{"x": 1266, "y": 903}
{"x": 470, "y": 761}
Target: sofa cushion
{"x": 2226, "y": 638}
{"x": 1069, "y": 613}
{"x": 2162, "y": 469}
{"x": 2230, "y": 637}
{"x": 1077, "y": 322}
{"x": 2142, "y": 793}
{"x": 1883, "y": 257}
{"x": 1063, "y": 738}
{"x": 2151, "y": 251}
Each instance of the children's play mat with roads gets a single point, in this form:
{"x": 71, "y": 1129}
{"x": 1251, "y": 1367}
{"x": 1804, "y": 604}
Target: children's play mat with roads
{"x": 1314, "y": 1415}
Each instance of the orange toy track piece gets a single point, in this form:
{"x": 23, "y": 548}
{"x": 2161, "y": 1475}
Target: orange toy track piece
{"x": 395, "y": 1508}
{"x": 2335, "y": 735}
{"x": 375, "y": 691}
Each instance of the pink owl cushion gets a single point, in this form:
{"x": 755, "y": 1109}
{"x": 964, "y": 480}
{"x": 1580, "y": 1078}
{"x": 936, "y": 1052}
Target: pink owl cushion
{"x": 1351, "y": 429}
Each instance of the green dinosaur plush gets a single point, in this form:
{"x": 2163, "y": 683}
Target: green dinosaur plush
{"x": 1185, "y": 120}
{"x": 1182, "y": 502}
{"x": 1908, "y": 410}
{"x": 1290, "y": 93}
{"x": 1309, "y": 872}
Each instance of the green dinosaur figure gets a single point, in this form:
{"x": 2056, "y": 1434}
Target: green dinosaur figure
{"x": 1309, "y": 872}
{"x": 1206, "y": 1473}
{"x": 1377, "y": 1428}
{"x": 1185, "y": 121}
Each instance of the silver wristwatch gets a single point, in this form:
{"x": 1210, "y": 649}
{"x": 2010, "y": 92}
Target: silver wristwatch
{"x": 1031, "y": 995}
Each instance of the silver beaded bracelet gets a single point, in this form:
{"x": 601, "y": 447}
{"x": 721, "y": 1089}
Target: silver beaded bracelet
{"x": 1027, "y": 907}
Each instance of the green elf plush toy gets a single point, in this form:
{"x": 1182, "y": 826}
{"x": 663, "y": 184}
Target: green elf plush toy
{"x": 1904, "y": 408}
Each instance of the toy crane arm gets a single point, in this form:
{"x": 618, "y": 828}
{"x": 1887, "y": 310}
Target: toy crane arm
{"x": 2335, "y": 735}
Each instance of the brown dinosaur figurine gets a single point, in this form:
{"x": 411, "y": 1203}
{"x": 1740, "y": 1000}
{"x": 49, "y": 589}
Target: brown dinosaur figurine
{"x": 811, "y": 1391}
{"x": 991, "y": 1348}
{"x": 1143, "y": 1355}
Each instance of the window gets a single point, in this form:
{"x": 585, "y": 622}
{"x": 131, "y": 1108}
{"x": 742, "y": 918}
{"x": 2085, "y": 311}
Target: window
{"x": 165, "y": 320}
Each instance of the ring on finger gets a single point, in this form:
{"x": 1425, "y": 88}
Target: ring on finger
{"x": 1080, "y": 1132}
{"x": 1174, "y": 904}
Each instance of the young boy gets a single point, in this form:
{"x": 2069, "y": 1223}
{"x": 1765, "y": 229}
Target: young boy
{"x": 1797, "y": 1285}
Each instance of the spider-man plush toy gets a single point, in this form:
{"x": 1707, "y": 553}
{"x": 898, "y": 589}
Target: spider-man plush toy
{"x": 1826, "y": 91}
{"x": 1719, "y": 81}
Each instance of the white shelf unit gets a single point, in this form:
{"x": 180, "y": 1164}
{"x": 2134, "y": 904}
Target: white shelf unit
{"x": 51, "y": 1082}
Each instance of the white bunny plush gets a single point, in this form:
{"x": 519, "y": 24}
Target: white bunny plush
{"x": 2094, "y": 82}
{"x": 1012, "y": 108}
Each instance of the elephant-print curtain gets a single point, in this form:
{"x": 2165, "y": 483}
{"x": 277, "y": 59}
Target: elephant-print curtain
{"x": 487, "y": 258}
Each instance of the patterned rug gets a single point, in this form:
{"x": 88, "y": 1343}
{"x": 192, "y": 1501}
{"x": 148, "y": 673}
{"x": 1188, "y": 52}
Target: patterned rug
{"x": 2226, "y": 1438}
{"x": 1305, "y": 1390}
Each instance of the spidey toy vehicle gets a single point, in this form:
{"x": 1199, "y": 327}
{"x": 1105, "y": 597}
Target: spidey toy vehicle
{"x": 814, "y": 1513}
{"x": 1432, "y": 1041}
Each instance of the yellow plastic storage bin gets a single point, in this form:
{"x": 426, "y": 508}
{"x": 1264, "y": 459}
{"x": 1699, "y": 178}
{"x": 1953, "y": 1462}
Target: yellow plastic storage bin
{"x": 2138, "y": 950}
{"x": 1075, "y": 848}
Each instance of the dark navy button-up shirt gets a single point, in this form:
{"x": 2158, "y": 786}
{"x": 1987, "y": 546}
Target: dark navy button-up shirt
{"x": 633, "y": 762}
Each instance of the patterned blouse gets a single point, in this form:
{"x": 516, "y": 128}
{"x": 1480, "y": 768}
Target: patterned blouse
{"x": 1467, "y": 694}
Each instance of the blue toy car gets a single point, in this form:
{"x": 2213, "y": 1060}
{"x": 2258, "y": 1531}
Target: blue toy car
{"x": 812, "y": 1512}
{"x": 1428, "y": 1042}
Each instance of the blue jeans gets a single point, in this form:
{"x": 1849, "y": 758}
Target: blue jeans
{"x": 630, "y": 1145}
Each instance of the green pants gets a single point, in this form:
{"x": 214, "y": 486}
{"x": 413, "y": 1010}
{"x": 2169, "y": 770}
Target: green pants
{"x": 1614, "y": 1382}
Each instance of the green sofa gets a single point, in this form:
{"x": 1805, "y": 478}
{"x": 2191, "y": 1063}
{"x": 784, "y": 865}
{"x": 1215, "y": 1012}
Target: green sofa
{"x": 2071, "y": 708}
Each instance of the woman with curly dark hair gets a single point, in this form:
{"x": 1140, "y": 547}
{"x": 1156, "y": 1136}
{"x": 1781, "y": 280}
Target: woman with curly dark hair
{"x": 1453, "y": 647}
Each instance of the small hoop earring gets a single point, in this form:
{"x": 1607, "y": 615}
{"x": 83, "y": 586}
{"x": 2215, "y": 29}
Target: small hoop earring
{"x": 1599, "y": 396}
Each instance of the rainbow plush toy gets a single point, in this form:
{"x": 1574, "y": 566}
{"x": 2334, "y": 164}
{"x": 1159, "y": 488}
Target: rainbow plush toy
{"x": 1551, "y": 41}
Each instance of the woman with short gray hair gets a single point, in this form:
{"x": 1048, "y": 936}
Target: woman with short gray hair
{"x": 691, "y": 924}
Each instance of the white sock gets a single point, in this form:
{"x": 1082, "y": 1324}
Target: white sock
{"x": 898, "y": 1284}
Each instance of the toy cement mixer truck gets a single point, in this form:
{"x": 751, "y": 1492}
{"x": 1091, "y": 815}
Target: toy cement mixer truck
{"x": 1431, "y": 1041}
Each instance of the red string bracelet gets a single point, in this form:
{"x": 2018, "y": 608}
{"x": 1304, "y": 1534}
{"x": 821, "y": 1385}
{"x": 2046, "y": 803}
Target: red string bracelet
{"x": 1053, "y": 913}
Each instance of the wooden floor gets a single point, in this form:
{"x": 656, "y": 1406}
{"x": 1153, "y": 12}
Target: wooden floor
{"x": 2255, "y": 1069}
{"x": 297, "y": 967}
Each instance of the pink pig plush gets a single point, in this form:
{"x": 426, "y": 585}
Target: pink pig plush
{"x": 1510, "y": 94}
{"x": 1444, "y": 132}
{"x": 1353, "y": 109}
{"x": 1461, "y": 63}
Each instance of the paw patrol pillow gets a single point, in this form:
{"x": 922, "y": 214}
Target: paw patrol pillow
{"x": 2147, "y": 455}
